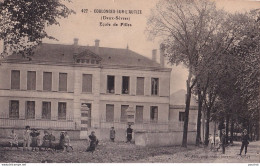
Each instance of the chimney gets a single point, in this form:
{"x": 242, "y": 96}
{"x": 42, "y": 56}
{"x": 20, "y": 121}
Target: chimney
{"x": 97, "y": 46}
{"x": 76, "y": 46}
{"x": 154, "y": 55}
{"x": 162, "y": 49}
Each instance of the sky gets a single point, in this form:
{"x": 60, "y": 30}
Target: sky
{"x": 86, "y": 27}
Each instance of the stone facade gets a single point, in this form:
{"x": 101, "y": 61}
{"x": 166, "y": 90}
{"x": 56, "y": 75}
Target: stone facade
{"x": 74, "y": 97}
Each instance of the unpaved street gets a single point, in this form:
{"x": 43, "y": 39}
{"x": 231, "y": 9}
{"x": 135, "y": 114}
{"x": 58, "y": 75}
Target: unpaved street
{"x": 119, "y": 152}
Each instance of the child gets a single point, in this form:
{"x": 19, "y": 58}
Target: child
{"x": 211, "y": 141}
{"x": 26, "y": 138}
{"x": 14, "y": 139}
{"x": 67, "y": 141}
{"x": 46, "y": 142}
{"x": 217, "y": 142}
{"x": 93, "y": 142}
{"x": 34, "y": 134}
{"x": 51, "y": 140}
{"x": 112, "y": 134}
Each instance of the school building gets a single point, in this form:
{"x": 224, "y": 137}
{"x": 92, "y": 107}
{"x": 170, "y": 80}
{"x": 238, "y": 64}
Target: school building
{"x": 84, "y": 88}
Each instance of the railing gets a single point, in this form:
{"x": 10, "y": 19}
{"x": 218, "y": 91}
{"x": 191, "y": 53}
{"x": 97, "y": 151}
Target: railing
{"x": 75, "y": 124}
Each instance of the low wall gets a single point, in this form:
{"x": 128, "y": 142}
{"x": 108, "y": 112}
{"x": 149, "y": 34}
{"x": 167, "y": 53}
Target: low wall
{"x": 163, "y": 138}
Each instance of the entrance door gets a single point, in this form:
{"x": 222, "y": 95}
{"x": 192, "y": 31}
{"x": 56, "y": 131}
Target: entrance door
{"x": 85, "y": 116}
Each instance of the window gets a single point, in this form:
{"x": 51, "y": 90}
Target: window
{"x": 181, "y": 116}
{"x": 87, "y": 83}
{"x": 140, "y": 86}
{"x": 155, "y": 86}
{"x": 30, "y": 110}
{"x": 47, "y": 81}
{"x": 154, "y": 113}
{"x": 125, "y": 85}
{"x": 62, "y": 81}
{"x": 46, "y": 110}
{"x": 109, "y": 113}
{"x": 110, "y": 84}
{"x": 123, "y": 113}
{"x": 62, "y": 111}
{"x": 139, "y": 114}
{"x": 15, "y": 79}
{"x": 14, "y": 109}
{"x": 31, "y": 80}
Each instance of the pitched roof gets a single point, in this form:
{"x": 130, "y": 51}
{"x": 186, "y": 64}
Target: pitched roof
{"x": 179, "y": 97}
{"x": 59, "y": 53}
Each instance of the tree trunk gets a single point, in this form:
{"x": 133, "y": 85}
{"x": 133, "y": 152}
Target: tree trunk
{"x": 232, "y": 130}
{"x": 227, "y": 128}
{"x": 198, "y": 137}
{"x": 186, "y": 120}
{"x": 207, "y": 127}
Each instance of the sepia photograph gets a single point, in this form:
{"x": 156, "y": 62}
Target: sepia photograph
{"x": 129, "y": 81}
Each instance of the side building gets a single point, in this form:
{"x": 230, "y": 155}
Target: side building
{"x": 83, "y": 88}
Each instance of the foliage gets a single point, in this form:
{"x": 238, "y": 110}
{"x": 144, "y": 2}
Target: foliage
{"x": 23, "y": 22}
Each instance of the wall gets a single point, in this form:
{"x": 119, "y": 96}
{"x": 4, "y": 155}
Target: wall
{"x": 162, "y": 138}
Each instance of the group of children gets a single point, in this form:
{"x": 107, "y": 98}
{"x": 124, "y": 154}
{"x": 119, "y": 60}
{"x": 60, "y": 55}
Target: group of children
{"x": 32, "y": 138}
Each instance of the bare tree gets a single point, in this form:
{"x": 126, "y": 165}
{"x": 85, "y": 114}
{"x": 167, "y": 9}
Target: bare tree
{"x": 186, "y": 27}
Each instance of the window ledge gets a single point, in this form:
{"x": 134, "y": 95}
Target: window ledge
{"x": 87, "y": 93}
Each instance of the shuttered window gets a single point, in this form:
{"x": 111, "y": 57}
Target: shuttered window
{"x": 14, "y": 109}
{"x": 62, "y": 81}
{"x": 140, "y": 86}
{"x": 61, "y": 110}
{"x": 31, "y": 80}
{"x": 154, "y": 113}
{"x": 139, "y": 114}
{"x": 110, "y": 113}
{"x": 47, "y": 81}
{"x": 123, "y": 117}
{"x": 15, "y": 79}
{"x": 46, "y": 110}
{"x": 87, "y": 83}
{"x": 30, "y": 110}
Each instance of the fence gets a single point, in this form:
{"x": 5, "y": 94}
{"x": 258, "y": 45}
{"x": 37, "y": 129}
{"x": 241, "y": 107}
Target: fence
{"x": 75, "y": 124}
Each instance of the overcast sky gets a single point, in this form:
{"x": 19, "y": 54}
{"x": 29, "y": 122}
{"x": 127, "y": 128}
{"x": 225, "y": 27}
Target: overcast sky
{"x": 85, "y": 26}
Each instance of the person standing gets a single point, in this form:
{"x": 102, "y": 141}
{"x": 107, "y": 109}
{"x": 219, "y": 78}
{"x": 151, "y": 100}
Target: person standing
{"x": 93, "y": 142}
{"x": 112, "y": 134}
{"x": 245, "y": 142}
{"x": 211, "y": 141}
{"x": 67, "y": 141}
{"x": 26, "y": 138}
{"x": 217, "y": 142}
{"x": 34, "y": 136}
{"x": 223, "y": 141}
{"x": 129, "y": 132}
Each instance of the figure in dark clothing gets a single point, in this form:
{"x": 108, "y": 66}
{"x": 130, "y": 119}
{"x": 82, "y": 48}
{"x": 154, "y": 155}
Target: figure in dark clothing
{"x": 129, "y": 132}
{"x": 34, "y": 134}
{"x": 51, "y": 139}
{"x": 46, "y": 141}
{"x": 93, "y": 142}
{"x": 112, "y": 134}
{"x": 62, "y": 140}
{"x": 223, "y": 141}
{"x": 245, "y": 142}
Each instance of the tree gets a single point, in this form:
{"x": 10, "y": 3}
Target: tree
{"x": 186, "y": 27}
{"x": 23, "y": 22}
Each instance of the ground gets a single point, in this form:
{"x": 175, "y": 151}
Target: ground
{"x": 119, "y": 152}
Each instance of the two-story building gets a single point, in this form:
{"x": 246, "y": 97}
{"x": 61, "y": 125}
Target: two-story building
{"x": 83, "y": 88}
